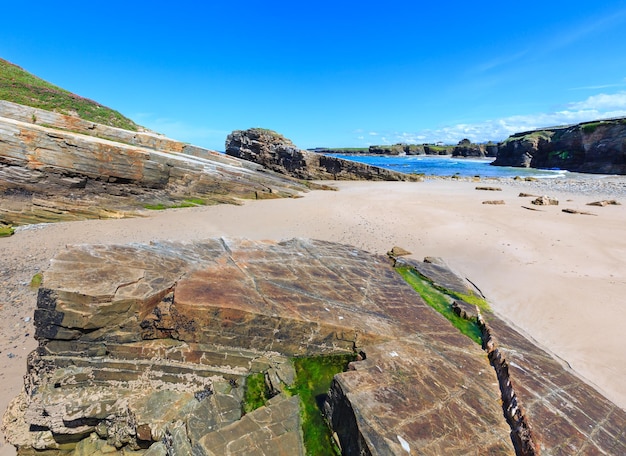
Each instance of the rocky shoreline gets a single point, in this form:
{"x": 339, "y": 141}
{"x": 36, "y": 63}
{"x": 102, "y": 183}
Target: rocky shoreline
{"x": 591, "y": 185}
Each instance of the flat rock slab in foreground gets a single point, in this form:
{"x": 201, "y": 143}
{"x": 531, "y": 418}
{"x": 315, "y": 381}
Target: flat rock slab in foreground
{"x": 147, "y": 348}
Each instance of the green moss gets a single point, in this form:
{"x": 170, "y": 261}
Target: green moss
{"x": 313, "y": 379}
{"x": 256, "y": 392}
{"x": 6, "y": 230}
{"x": 155, "y": 207}
{"x": 19, "y": 86}
{"x": 530, "y": 136}
{"x": 190, "y": 202}
{"x": 560, "y": 154}
{"x": 589, "y": 128}
{"x": 470, "y": 299}
{"x": 441, "y": 302}
{"x": 440, "y": 148}
{"x": 35, "y": 282}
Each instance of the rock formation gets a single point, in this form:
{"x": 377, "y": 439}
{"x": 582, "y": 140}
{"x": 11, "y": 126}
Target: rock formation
{"x": 57, "y": 167}
{"x": 590, "y": 147}
{"x": 279, "y": 154}
{"x": 465, "y": 148}
{"x": 147, "y": 349}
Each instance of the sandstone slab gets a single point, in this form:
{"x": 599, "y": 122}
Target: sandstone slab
{"x": 150, "y": 345}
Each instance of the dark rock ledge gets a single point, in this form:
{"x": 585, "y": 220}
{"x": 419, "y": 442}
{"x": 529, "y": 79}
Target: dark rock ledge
{"x": 146, "y": 349}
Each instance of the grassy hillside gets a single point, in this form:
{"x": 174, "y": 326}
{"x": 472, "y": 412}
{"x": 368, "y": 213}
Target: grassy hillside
{"x": 21, "y": 87}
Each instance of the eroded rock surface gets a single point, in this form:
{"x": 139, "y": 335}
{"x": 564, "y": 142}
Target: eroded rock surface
{"x": 149, "y": 345}
{"x": 550, "y": 409}
{"x": 279, "y": 154}
{"x": 147, "y": 348}
{"x": 64, "y": 168}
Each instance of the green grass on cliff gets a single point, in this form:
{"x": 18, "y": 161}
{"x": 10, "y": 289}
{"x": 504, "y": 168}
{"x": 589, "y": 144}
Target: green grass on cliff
{"x": 441, "y": 303}
{"x": 19, "y": 86}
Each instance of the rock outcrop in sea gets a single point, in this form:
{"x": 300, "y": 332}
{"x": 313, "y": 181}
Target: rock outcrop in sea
{"x": 57, "y": 167}
{"x": 465, "y": 148}
{"x": 148, "y": 349}
{"x": 279, "y": 154}
{"x": 590, "y": 147}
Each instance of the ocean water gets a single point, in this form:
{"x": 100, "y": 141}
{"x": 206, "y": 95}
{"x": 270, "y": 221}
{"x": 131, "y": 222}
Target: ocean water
{"x": 448, "y": 166}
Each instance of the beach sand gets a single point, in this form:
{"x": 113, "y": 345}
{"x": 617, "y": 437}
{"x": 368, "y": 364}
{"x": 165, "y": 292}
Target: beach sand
{"x": 560, "y": 278}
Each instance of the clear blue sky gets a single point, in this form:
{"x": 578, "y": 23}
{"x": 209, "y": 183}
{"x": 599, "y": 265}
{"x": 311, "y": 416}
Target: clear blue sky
{"x": 330, "y": 73}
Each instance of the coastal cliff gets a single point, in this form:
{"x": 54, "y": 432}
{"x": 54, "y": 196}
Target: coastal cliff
{"x": 590, "y": 147}
{"x": 279, "y": 154}
{"x": 56, "y": 167}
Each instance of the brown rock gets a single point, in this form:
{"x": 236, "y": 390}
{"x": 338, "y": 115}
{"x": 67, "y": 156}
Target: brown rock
{"x": 576, "y": 211}
{"x": 490, "y": 189}
{"x": 495, "y": 202}
{"x": 48, "y": 174}
{"x": 154, "y": 342}
{"x": 398, "y": 251}
{"x": 138, "y": 337}
{"x": 275, "y": 152}
{"x": 604, "y": 203}
{"x": 545, "y": 201}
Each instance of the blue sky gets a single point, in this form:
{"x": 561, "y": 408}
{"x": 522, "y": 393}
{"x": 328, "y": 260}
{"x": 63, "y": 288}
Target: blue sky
{"x": 331, "y": 73}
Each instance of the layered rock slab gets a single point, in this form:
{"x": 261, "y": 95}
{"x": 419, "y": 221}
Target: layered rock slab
{"x": 136, "y": 341}
{"x": 564, "y": 414}
{"x": 47, "y": 174}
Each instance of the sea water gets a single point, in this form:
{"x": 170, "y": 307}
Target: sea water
{"x": 448, "y": 166}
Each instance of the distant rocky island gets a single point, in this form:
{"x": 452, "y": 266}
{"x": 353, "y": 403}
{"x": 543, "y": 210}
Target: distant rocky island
{"x": 465, "y": 148}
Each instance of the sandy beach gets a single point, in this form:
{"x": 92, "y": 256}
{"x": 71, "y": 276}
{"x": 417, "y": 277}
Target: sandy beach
{"x": 558, "y": 277}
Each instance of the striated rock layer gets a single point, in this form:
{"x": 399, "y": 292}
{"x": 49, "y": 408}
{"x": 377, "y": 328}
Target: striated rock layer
{"x": 279, "y": 154}
{"x": 146, "y": 349}
{"x": 63, "y": 168}
{"x": 145, "y": 344}
{"x": 550, "y": 410}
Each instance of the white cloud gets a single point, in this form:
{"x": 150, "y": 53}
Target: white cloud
{"x": 601, "y": 102}
{"x": 595, "y": 107}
